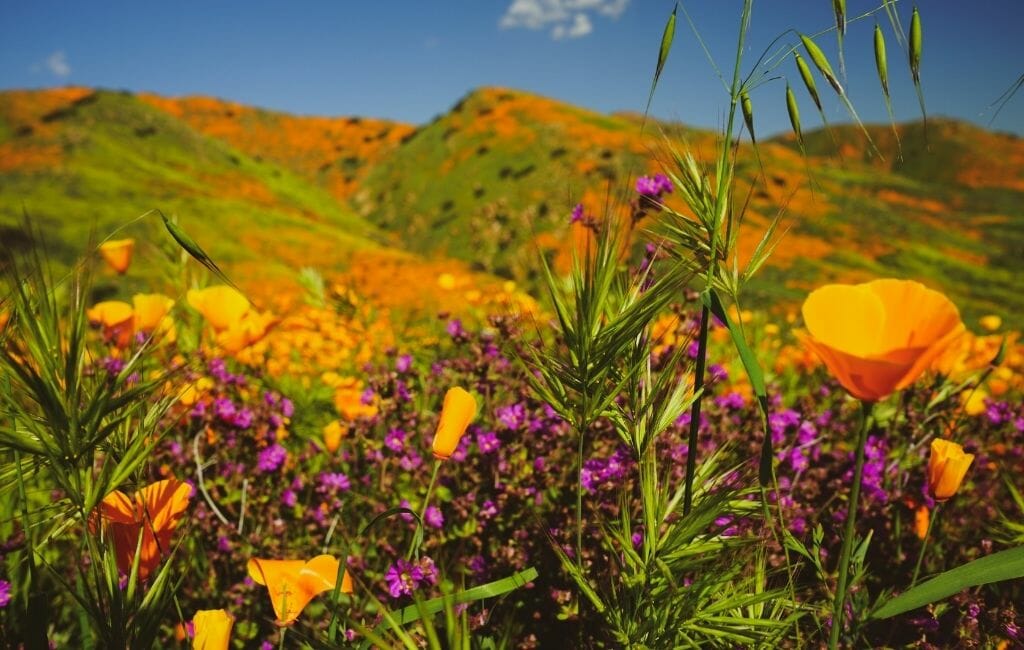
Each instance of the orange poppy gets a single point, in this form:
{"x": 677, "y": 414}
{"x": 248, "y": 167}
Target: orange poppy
{"x": 947, "y": 466}
{"x": 117, "y": 253}
{"x": 153, "y": 513}
{"x": 346, "y": 583}
{"x": 333, "y": 433}
{"x": 249, "y": 329}
{"x": 921, "y": 520}
{"x": 212, "y": 629}
{"x": 457, "y": 412}
{"x": 222, "y": 306}
{"x": 150, "y": 309}
{"x": 293, "y": 583}
{"x": 877, "y": 338}
{"x": 116, "y": 318}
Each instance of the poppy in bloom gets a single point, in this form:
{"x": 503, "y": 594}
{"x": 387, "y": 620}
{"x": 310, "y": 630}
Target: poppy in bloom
{"x": 877, "y": 338}
{"x": 947, "y": 466}
{"x": 117, "y": 253}
{"x": 346, "y": 583}
{"x": 116, "y": 318}
{"x": 293, "y": 583}
{"x": 251, "y": 328}
{"x": 212, "y": 629}
{"x": 222, "y": 306}
{"x": 458, "y": 411}
{"x": 153, "y": 513}
{"x": 151, "y": 314}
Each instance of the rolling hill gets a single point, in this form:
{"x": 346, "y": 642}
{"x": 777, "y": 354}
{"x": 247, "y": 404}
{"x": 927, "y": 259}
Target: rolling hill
{"x": 491, "y": 181}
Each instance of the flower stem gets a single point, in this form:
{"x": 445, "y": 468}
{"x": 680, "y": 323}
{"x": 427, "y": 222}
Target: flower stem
{"x": 924, "y": 545}
{"x": 698, "y": 382}
{"x": 417, "y": 539}
{"x": 848, "y": 536}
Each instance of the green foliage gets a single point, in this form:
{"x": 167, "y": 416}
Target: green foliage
{"x": 1003, "y": 565}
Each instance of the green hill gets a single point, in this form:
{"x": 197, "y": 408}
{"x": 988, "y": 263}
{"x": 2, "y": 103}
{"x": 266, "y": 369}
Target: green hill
{"x": 494, "y": 179}
{"x": 80, "y": 161}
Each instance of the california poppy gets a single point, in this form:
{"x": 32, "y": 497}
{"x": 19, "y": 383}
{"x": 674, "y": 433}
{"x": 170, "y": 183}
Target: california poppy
{"x": 154, "y": 513}
{"x": 150, "y": 309}
{"x": 877, "y": 338}
{"x": 333, "y": 433}
{"x": 293, "y": 583}
{"x": 249, "y": 329}
{"x": 222, "y": 306}
{"x": 947, "y": 466}
{"x": 117, "y": 253}
{"x": 457, "y": 412}
{"x": 212, "y": 629}
{"x": 116, "y": 318}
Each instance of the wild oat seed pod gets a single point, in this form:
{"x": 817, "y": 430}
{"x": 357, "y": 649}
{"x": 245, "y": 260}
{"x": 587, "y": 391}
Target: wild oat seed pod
{"x": 880, "y": 61}
{"x": 794, "y": 114}
{"x": 748, "y": 113}
{"x": 458, "y": 411}
{"x": 947, "y": 466}
{"x": 805, "y": 74}
{"x": 821, "y": 61}
{"x": 915, "y": 46}
{"x": 212, "y": 629}
{"x": 879, "y": 337}
{"x": 117, "y": 253}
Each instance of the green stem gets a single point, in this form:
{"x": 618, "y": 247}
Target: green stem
{"x": 848, "y": 536}
{"x": 698, "y": 383}
{"x": 924, "y": 545}
{"x": 417, "y": 539}
{"x": 579, "y": 504}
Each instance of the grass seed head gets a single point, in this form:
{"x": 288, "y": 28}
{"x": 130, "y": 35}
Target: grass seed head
{"x": 915, "y": 46}
{"x": 805, "y": 74}
{"x": 880, "y": 61}
{"x": 821, "y": 62}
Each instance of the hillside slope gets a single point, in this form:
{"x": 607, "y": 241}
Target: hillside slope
{"x": 500, "y": 172}
{"x": 493, "y": 180}
{"x": 78, "y": 160}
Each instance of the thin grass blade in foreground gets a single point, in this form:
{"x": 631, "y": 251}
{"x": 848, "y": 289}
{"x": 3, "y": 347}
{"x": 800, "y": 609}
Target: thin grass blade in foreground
{"x": 1004, "y": 565}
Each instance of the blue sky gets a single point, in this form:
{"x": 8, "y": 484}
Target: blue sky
{"x": 410, "y": 60}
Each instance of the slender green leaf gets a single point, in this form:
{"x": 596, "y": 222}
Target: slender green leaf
{"x": 1004, "y": 565}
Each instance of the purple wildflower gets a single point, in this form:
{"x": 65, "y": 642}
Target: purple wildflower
{"x": 5, "y": 593}
{"x": 272, "y": 458}
{"x": 433, "y": 517}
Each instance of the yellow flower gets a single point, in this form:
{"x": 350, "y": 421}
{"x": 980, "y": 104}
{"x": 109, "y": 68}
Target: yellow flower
{"x": 117, "y": 253}
{"x": 446, "y": 281}
{"x": 877, "y": 338}
{"x": 921, "y": 519}
{"x": 333, "y": 433}
{"x": 222, "y": 306}
{"x": 458, "y": 411}
{"x": 947, "y": 466}
{"x": 990, "y": 322}
{"x": 152, "y": 514}
{"x": 250, "y": 329}
{"x": 212, "y": 629}
{"x": 116, "y": 318}
{"x": 293, "y": 583}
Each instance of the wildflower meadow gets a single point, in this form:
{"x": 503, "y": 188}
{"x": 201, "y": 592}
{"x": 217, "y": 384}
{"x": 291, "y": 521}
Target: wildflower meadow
{"x": 607, "y": 446}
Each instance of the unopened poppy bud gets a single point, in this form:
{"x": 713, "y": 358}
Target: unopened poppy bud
{"x": 458, "y": 411}
{"x": 947, "y": 466}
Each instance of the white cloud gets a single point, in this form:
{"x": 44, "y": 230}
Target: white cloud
{"x": 565, "y": 18}
{"x": 581, "y": 26}
{"x": 57, "y": 63}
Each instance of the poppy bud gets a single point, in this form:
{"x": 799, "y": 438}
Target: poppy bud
{"x": 458, "y": 411}
{"x": 947, "y": 467}
{"x": 117, "y": 253}
{"x": 212, "y": 629}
